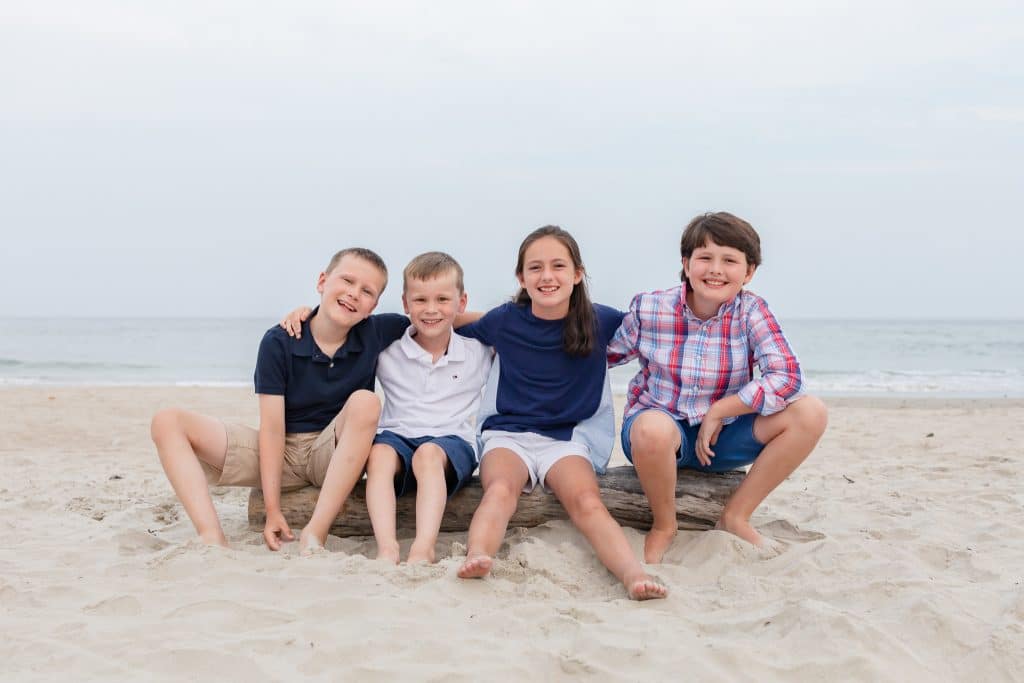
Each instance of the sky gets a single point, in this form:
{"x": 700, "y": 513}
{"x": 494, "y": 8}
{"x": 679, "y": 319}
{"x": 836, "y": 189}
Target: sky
{"x": 203, "y": 159}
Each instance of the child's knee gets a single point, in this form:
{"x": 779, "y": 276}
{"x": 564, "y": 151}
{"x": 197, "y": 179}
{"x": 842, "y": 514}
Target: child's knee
{"x": 812, "y": 414}
{"x": 502, "y": 490}
{"x": 584, "y": 504}
{"x": 382, "y": 461}
{"x": 653, "y": 430}
{"x": 428, "y": 457}
{"x": 362, "y": 407}
{"x": 164, "y": 423}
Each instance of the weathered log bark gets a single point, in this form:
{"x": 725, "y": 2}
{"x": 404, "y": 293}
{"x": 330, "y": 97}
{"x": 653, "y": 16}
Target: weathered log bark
{"x": 699, "y": 501}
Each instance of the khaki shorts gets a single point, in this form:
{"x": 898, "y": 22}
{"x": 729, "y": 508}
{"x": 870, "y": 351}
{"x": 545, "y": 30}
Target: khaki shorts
{"x": 306, "y": 456}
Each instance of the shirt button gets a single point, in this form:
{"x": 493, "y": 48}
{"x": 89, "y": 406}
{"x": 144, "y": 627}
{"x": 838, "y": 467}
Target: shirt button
{"x": 330, "y": 365}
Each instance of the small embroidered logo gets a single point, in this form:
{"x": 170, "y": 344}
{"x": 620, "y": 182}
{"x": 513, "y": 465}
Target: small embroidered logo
{"x": 455, "y": 376}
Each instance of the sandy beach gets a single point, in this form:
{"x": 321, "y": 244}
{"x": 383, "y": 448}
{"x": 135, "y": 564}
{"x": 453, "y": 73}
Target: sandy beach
{"x": 898, "y": 555}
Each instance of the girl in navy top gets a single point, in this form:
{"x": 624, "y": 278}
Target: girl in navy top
{"x": 551, "y": 366}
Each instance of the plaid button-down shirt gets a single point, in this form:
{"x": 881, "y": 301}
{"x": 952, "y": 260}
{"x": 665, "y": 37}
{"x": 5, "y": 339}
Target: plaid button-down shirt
{"x": 686, "y": 364}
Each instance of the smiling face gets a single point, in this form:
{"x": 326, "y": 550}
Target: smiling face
{"x": 349, "y": 291}
{"x": 432, "y": 305}
{"x": 548, "y": 275}
{"x": 716, "y": 274}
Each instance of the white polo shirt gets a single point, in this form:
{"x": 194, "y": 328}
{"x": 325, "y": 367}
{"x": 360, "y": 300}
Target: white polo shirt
{"x": 423, "y": 398}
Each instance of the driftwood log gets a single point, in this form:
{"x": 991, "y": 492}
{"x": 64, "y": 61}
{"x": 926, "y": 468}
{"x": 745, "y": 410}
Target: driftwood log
{"x": 699, "y": 501}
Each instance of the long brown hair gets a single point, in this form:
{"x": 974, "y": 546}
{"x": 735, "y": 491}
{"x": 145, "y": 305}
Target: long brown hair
{"x": 580, "y": 323}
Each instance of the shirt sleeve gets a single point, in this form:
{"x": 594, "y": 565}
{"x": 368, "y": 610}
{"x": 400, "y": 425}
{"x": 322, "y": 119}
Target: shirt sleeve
{"x": 781, "y": 380}
{"x": 485, "y": 329}
{"x": 271, "y": 376}
{"x": 623, "y": 346}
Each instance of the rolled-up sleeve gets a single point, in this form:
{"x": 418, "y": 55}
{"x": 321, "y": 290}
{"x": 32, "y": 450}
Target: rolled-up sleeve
{"x": 781, "y": 381}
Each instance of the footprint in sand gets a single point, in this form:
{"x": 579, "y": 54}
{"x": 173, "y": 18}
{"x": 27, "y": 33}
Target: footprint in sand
{"x": 119, "y": 606}
{"x": 138, "y": 542}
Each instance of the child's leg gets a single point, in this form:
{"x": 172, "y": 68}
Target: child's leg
{"x": 428, "y": 466}
{"x": 503, "y": 475}
{"x": 789, "y": 437}
{"x": 381, "y": 468}
{"x": 654, "y": 442}
{"x": 183, "y": 439}
{"x": 354, "y": 428}
{"x": 573, "y": 481}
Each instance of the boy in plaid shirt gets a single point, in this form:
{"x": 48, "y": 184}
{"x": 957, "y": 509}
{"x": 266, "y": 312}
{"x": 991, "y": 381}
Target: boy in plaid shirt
{"x": 695, "y": 402}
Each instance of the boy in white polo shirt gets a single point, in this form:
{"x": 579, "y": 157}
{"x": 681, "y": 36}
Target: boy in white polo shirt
{"x": 432, "y": 380}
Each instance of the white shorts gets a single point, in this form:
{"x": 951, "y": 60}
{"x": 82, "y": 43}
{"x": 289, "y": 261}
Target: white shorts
{"x": 538, "y": 452}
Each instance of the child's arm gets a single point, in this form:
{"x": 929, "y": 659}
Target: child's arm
{"x": 467, "y": 318}
{"x": 779, "y": 384}
{"x": 624, "y": 345}
{"x": 271, "y": 444}
{"x": 292, "y": 323}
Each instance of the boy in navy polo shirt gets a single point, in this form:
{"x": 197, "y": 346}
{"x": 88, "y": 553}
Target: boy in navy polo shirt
{"x": 318, "y": 412}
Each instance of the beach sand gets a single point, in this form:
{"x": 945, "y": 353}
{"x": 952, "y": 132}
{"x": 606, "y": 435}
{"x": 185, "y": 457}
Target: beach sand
{"x": 899, "y": 555}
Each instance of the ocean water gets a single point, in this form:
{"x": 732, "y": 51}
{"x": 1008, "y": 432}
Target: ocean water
{"x": 839, "y": 357}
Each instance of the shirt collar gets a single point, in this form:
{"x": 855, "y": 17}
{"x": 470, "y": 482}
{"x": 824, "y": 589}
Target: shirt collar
{"x": 306, "y": 347}
{"x": 456, "y": 348}
{"x": 686, "y": 311}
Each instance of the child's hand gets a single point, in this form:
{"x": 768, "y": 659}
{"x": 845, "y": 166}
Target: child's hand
{"x": 276, "y": 525}
{"x": 707, "y": 436}
{"x": 292, "y": 323}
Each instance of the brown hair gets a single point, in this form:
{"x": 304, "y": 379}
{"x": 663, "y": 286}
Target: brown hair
{"x": 725, "y": 230}
{"x": 367, "y": 255}
{"x": 581, "y": 323}
{"x": 430, "y": 265}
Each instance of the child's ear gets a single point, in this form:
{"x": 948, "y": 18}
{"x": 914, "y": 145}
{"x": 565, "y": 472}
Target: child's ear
{"x": 463, "y": 300}
{"x": 750, "y": 273}
{"x": 405, "y": 304}
{"x": 320, "y": 283}
{"x": 686, "y": 267}
{"x": 579, "y": 276}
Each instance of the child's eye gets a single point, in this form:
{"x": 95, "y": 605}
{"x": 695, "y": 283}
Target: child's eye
{"x": 368, "y": 292}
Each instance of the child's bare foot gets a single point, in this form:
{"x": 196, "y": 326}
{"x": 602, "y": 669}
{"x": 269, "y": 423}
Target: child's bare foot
{"x": 742, "y": 528}
{"x": 476, "y": 567}
{"x": 388, "y": 552}
{"x": 309, "y": 544}
{"x": 643, "y": 586}
{"x": 424, "y": 553}
{"x": 656, "y": 542}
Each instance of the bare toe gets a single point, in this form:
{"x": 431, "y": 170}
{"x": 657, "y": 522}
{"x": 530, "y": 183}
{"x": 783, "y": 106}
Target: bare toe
{"x": 476, "y": 567}
{"x": 647, "y": 588}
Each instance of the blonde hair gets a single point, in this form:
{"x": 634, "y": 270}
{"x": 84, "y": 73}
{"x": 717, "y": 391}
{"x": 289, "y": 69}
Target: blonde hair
{"x": 430, "y": 265}
{"x": 368, "y": 255}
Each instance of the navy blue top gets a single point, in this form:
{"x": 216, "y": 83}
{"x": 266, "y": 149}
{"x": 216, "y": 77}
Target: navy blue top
{"x": 541, "y": 388}
{"x": 314, "y": 386}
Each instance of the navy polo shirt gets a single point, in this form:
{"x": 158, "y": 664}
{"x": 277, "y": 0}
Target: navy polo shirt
{"x": 541, "y": 388}
{"x": 315, "y": 386}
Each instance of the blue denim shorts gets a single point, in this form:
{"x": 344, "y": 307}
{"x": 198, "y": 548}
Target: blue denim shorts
{"x": 460, "y": 454}
{"x": 736, "y": 446}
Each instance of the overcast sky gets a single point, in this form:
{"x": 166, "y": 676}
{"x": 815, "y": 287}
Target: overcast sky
{"x": 206, "y": 158}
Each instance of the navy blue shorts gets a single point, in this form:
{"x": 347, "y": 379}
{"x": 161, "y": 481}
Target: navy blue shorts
{"x": 736, "y": 446}
{"x": 460, "y": 454}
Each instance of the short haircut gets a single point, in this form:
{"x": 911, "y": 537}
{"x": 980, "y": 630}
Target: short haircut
{"x": 368, "y": 255}
{"x": 725, "y": 230}
{"x": 431, "y": 265}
